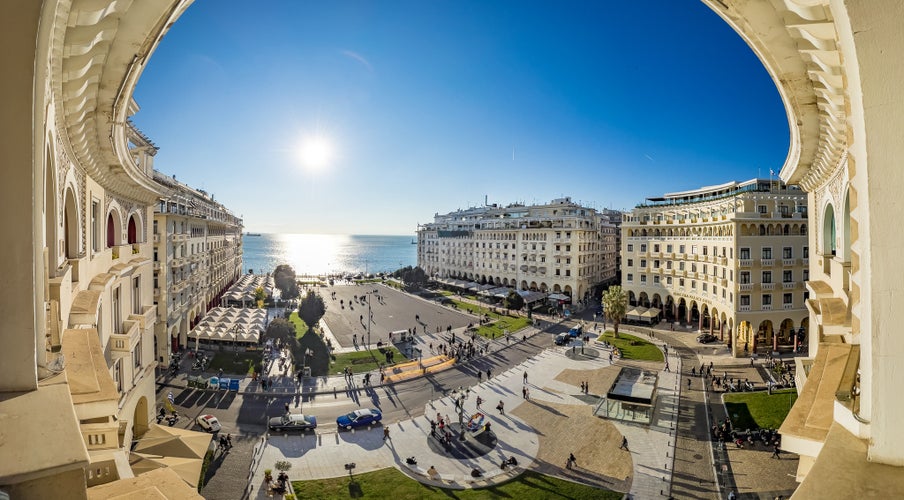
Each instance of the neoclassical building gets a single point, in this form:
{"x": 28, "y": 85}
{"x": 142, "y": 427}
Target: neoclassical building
{"x": 77, "y": 378}
{"x": 836, "y": 65}
{"x": 558, "y": 247}
{"x": 197, "y": 257}
{"x": 729, "y": 259}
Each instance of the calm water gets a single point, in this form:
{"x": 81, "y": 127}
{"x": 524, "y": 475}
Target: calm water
{"x": 316, "y": 254}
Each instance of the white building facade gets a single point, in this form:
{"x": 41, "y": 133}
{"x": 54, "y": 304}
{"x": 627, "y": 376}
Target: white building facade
{"x": 730, "y": 260}
{"x": 197, "y": 257}
{"x": 558, "y": 247}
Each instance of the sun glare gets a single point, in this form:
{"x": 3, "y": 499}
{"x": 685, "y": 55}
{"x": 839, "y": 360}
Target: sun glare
{"x": 315, "y": 152}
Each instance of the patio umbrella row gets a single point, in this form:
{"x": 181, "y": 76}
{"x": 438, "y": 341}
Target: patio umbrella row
{"x": 231, "y": 325}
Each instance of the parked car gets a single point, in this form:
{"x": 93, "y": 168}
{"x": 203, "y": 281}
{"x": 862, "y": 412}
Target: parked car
{"x": 563, "y": 339}
{"x": 208, "y": 423}
{"x": 293, "y": 422}
{"x": 707, "y": 338}
{"x": 576, "y": 331}
{"x": 359, "y": 418}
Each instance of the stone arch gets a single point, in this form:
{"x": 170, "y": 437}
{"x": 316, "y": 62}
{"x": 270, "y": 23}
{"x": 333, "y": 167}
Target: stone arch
{"x": 632, "y": 299}
{"x": 543, "y": 287}
{"x": 140, "y": 418}
{"x": 568, "y": 291}
{"x": 643, "y": 300}
{"x": 846, "y": 228}
{"x": 556, "y": 288}
{"x": 533, "y": 286}
{"x": 133, "y": 229}
{"x": 51, "y": 224}
{"x": 765, "y": 335}
{"x": 656, "y": 301}
{"x": 114, "y": 228}
{"x": 524, "y": 285}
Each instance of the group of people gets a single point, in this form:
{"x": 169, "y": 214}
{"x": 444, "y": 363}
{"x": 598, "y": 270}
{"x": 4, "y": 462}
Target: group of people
{"x": 225, "y": 443}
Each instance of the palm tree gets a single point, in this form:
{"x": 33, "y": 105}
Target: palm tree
{"x": 615, "y": 305}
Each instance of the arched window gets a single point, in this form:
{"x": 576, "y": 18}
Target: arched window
{"x": 828, "y": 234}
{"x": 133, "y": 230}
{"x": 111, "y": 231}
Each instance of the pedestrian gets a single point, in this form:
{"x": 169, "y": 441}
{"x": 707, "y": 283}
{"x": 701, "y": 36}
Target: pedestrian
{"x": 479, "y": 401}
{"x": 385, "y": 433}
{"x": 610, "y": 357}
{"x": 582, "y": 387}
{"x": 586, "y": 387}
{"x": 501, "y": 408}
{"x": 382, "y": 377}
{"x": 570, "y": 461}
{"x": 479, "y": 376}
{"x": 688, "y": 384}
{"x": 287, "y": 408}
{"x": 667, "y": 367}
{"x": 433, "y": 428}
{"x": 624, "y": 444}
{"x": 525, "y": 377}
{"x": 775, "y": 452}
{"x": 524, "y": 392}
{"x": 228, "y": 441}
{"x": 693, "y": 371}
{"x": 489, "y": 374}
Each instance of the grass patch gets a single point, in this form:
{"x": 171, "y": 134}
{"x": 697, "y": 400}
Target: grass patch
{"x": 300, "y": 326}
{"x": 498, "y": 322}
{"x": 390, "y": 483}
{"x": 364, "y": 361}
{"x": 236, "y": 363}
{"x": 752, "y": 410}
{"x": 632, "y": 347}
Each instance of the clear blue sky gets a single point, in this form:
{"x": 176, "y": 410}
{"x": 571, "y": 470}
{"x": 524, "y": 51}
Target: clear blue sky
{"x": 424, "y": 101}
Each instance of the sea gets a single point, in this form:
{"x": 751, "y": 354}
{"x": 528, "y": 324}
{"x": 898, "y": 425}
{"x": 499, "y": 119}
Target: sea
{"x": 323, "y": 254}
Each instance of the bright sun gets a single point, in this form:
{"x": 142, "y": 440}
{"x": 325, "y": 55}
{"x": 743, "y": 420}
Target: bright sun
{"x": 315, "y": 152}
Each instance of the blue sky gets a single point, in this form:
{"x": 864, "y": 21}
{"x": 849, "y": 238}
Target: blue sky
{"x": 429, "y": 106}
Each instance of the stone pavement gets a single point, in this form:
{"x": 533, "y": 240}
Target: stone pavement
{"x": 324, "y": 455}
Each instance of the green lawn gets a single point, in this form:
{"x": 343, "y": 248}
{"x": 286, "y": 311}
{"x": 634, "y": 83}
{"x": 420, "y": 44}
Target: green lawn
{"x": 235, "y": 363}
{"x": 300, "y": 326}
{"x": 759, "y": 409}
{"x": 390, "y": 483}
{"x": 633, "y": 347}
{"x": 363, "y": 360}
{"x": 498, "y": 322}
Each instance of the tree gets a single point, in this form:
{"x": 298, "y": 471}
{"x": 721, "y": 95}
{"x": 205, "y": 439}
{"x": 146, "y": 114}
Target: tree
{"x": 615, "y": 305}
{"x": 311, "y": 309}
{"x": 280, "y": 329}
{"x": 260, "y": 295}
{"x": 513, "y": 300}
{"x": 284, "y": 278}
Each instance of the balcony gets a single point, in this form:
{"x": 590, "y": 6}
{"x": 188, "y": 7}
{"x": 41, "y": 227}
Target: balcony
{"x": 789, "y": 262}
{"x": 156, "y": 265}
{"x": 745, "y": 262}
{"x": 156, "y": 238}
{"x": 745, "y": 287}
{"x": 789, "y": 285}
{"x": 744, "y": 308}
{"x": 767, "y": 286}
{"x": 787, "y": 306}
{"x": 766, "y": 307}
{"x": 146, "y": 317}
{"x": 156, "y": 292}
{"x": 767, "y": 262}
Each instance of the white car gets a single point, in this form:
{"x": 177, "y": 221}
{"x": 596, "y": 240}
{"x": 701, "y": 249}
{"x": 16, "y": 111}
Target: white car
{"x": 209, "y": 423}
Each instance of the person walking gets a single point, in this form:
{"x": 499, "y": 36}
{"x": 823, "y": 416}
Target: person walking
{"x": 385, "y": 433}
{"x": 489, "y": 374}
{"x": 775, "y": 452}
{"x": 571, "y": 461}
{"x": 501, "y": 408}
{"x": 479, "y": 401}
{"x": 624, "y": 444}
{"x": 688, "y": 384}
{"x": 525, "y": 377}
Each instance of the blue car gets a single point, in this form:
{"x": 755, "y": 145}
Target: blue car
{"x": 359, "y": 418}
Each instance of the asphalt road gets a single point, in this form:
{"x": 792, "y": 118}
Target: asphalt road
{"x": 392, "y": 311}
{"x": 248, "y": 414}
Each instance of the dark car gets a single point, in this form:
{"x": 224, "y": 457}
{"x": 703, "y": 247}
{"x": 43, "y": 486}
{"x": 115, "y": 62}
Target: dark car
{"x": 359, "y": 418}
{"x": 707, "y": 338}
{"x": 563, "y": 339}
{"x": 293, "y": 422}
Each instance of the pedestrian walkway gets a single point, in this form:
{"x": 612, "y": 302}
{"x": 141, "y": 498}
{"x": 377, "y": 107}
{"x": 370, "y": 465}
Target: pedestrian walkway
{"x": 324, "y": 455}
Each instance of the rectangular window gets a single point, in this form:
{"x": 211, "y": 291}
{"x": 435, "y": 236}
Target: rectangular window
{"x": 668, "y": 248}
{"x": 136, "y": 356}
{"x": 643, "y": 278}
{"x": 681, "y": 265}
{"x": 630, "y": 247}
{"x": 117, "y": 312}
{"x": 668, "y": 280}
{"x": 787, "y": 253}
{"x": 136, "y": 295}
{"x": 681, "y": 282}
{"x": 643, "y": 262}
{"x": 630, "y": 262}
{"x": 694, "y": 284}
{"x": 745, "y": 300}
{"x": 767, "y": 276}
{"x": 117, "y": 374}
{"x": 787, "y": 298}
{"x": 787, "y": 277}
{"x": 643, "y": 247}
{"x": 630, "y": 278}
{"x": 655, "y": 264}
{"x": 767, "y": 299}
{"x": 806, "y": 275}
{"x": 704, "y": 287}
{"x": 656, "y": 248}
{"x": 656, "y": 280}
{"x": 744, "y": 277}
{"x": 761, "y": 209}
{"x": 806, "y": 252}
{"x": 745, "y": 254}
{"x": 681, "y": 249}
{"x": 95, "y": 225}
{"x": 767, "y": 253}
{"x": 668, "y": 264}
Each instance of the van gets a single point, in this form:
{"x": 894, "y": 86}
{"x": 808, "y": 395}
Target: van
{"x": 576, "y": 332}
